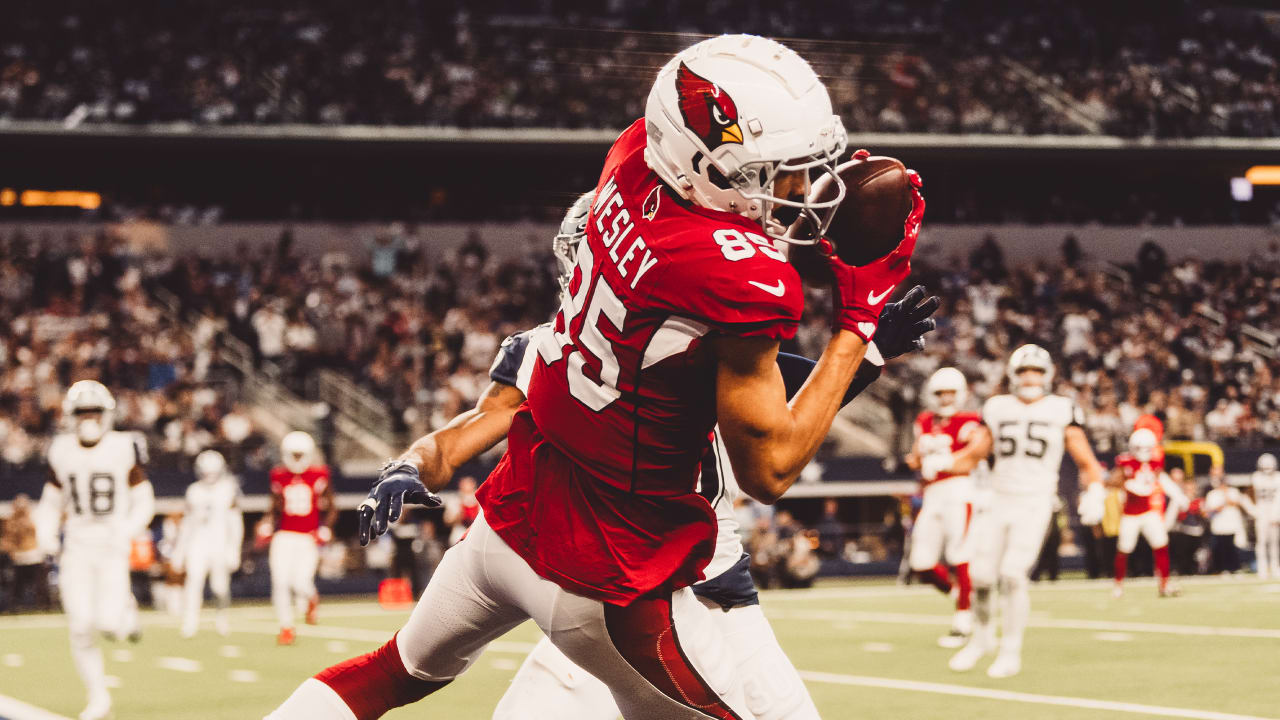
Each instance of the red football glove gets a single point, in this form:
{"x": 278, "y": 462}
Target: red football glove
{"x": 860, "y": 293}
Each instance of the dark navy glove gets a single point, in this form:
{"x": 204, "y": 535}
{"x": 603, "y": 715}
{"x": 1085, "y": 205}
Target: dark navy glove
{"x": 397, "y": 484}
{"x": 903, "y": 324}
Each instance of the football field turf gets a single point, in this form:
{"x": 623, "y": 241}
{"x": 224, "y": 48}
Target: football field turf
{"x": 866, "y": 650}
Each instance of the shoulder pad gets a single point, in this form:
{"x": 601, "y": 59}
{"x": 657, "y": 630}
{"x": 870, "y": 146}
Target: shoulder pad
{"x": 508, "y": 364}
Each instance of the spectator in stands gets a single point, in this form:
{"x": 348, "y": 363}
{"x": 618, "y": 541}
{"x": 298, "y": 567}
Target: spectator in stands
{"x": 30, "y": 574}
{"x": 1225, "y": 507}
{"x": 1187, "y": 536}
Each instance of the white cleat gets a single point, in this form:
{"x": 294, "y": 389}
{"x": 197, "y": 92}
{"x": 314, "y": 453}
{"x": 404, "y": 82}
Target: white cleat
{"x": 970, "y": 654}
{"x": 961, "y": 629}
{"x": 99, "y": 708}
{"x": 1007, "y": 664}
{"x": 222, "y": 625}
{"x": 187, "y": 632}
{"x": 1117, "y": 591}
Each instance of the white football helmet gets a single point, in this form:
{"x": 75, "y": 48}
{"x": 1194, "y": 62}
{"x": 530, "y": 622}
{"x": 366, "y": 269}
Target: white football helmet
{"x": 572, "y": 229}
{"x": 89, "y": 396}
{"x": 728, "y": 114}
{"x": 1142, "y": 444}
{"x": 942, "y": 380}
{"x": 1266, "y": 463}
{"x": 1030, "y": 357}
{"x": 297, "y": 451}
{"x": 210, "y": 465}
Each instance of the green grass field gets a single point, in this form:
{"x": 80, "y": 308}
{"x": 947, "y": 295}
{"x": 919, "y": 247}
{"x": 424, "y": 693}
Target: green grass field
{"x": 867, "y": 651}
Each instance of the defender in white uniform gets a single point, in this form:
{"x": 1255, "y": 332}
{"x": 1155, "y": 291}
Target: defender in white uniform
{"x": 1031, "y": 428}
{"x": 97, "y": 483}
{"x": 209, "y": 541}
{"x": 1266, "y": 500}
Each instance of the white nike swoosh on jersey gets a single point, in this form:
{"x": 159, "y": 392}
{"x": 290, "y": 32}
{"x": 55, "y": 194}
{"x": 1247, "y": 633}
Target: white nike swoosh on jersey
{"x": 775, "y": 290}
{"x": 873, "y": 298}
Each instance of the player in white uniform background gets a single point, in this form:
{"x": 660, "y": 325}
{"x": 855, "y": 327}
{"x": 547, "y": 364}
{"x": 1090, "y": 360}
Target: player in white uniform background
{"x": 97, "y": 484}
{"x": 1266, "y": 500}
{"x": 1031, "y": 428}
{"x": 209, "y": 541}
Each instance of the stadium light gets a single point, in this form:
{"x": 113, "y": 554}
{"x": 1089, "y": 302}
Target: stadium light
{"x": 8, "y": 197}
{"x": 1263, "y": 175}
{"x": 60, "y": 198}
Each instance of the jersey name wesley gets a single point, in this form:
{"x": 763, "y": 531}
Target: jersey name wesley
{"x": 1028, "y": 442}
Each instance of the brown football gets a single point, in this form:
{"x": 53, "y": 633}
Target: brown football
{"x": 869, "y": 222}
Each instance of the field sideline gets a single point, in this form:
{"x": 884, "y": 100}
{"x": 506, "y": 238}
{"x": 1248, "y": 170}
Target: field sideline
{"x": 866, "y": 650}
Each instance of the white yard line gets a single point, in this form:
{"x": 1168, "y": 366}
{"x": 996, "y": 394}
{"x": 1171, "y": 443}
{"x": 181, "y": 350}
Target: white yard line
{"x": 331, "y": 632}
{"x": 15, "y": 709}
{"x": 1074, "y": 585}
{"x": 1011, "y": 696}
{"x": 1037, "y": 622}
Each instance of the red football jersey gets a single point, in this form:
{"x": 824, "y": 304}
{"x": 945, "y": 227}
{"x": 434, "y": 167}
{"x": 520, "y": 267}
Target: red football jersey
{"x": 939, "y": 434}
{"x": 596, "y": 491}
{"x": 1142, "y": 491}
{"x": 301, "y": 494}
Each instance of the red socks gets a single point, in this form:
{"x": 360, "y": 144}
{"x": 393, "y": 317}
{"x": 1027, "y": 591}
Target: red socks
{"x": 937, "y": 577}
{"x": 1162, "y": 563}
{"x": 1122, "y": 564}
{"x": 376, "y": 682}
{"x": 963, "y": 586}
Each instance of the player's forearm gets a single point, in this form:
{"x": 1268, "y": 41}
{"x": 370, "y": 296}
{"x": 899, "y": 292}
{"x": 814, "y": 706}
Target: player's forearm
{"x": 47, "y": 516}
{"x": 142, "y": 508}
{"x": 439, "y": 454}
{"x": 968, "y": 457}
{"x": 793, "y": 442}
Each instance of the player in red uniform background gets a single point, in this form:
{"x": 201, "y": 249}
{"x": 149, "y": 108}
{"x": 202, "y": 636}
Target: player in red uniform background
{"x": 300, "y": 494}
{"x": 591, "y": 523}
{"x": 1148, "y": 493}
{"x": 950, "y": 443}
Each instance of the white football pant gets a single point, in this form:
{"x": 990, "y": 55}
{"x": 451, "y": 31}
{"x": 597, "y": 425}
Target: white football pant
{"x": 94, "y": 585}
{"x": 205, "y": 561}
{"x": 1150, "y": 524}
{"x": 1006, "y": 544}
{"x": 293, "y": 559}
{"x": 941, "y": 529}
{"x": 1268, "y": 547}
{"x": 549, "y": 686}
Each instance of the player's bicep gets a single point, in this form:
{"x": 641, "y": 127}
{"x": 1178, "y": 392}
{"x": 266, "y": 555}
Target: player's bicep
{"x": 750, "y": 391}
{"x": 980, "y": 441}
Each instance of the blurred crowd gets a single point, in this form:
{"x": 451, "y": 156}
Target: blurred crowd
{"x": 1193, "y": 341}
{"x": 1164, "y": 68}
{"x": 77, "y": 308}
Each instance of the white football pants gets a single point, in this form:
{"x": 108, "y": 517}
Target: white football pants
{"x": 94, "y": 585}
{"x": 941, "y": 529}
{"x": 205, "y": 562}
{"x": 1268, "y": 548}
{"x": 1151, "y": 526}
{"x": 293, "y": 559}
{"x": 549, "y": 686}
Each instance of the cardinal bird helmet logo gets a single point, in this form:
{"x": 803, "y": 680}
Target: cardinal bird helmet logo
{"x": 707, "y": 110}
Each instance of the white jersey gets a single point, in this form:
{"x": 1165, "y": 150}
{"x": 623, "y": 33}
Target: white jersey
{"x": 1029, "y": 439}
{"x": 211, "y": 509}
{"x": 95, "y": 484}
{"x": 1266, "y": 493}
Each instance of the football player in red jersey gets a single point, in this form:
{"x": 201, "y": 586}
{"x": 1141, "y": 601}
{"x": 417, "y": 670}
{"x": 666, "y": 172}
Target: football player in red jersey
{"x": 591, "y": 523}
{"x": 949, "y": 444}
{"x": 1148, "y": 492}
{"x": 302, "y": 504}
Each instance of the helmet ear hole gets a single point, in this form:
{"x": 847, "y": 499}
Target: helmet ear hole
{"x": 717, "y": 178}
